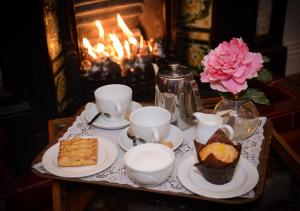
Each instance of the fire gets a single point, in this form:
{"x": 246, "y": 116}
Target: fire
{"x": 89, "y": 47}
{"x": 127, "y": 48}
{"x": 150, "y": 47}
{"x": 123, "y": 26}
{"x": 141, "y": 42}
{"x": 100, "y": 29}
{"x": 111, "y": 46}
{"x": 117, "y": 45}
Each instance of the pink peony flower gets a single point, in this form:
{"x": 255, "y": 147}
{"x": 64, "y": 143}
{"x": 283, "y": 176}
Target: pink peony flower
{"x": 228, "y": 66}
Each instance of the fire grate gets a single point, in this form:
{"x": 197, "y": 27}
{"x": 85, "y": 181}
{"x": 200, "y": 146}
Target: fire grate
{"x": 140, "y": 78}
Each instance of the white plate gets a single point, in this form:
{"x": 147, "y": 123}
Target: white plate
{"x": 107, "y": 154}
{"x": 245, "y": 179}
{"x": 100, "y": 122}
{"x": 175, "y": 136}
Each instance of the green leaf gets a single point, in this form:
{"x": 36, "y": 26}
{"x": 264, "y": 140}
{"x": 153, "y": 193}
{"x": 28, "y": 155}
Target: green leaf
{"x": 195, "y": 71}
{"x": 256, "y": 96}
{"x": 201, "y": 67}
{"x": 264, "y": 75}
{"x": 227, "y": 95}
{"x": 266, "y": 59}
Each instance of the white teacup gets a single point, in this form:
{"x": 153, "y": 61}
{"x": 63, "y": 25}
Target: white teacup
{"x": 150, "y": 123}
{"x": 208, "y": 124}
{"x": 114, "y": 101}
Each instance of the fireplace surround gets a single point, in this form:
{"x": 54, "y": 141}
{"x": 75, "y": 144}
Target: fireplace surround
{"x": 76, "y": 74}
{"x": 40, "y": 70}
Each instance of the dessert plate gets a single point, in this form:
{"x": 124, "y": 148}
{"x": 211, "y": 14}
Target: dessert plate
{"x": 175, "y": 136}
{"x": 107, "y": 154}
{"x": 91, "y": 110}
{"x": 245, "y": 179}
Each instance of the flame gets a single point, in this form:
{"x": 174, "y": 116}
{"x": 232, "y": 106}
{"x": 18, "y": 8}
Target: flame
{"x": 87, "y": 44}
{"x": 100, "y": 29}
{"x": 133, "y": 41}
{"x": 126, "y": 30}
{"x": 149, "y": 46}
{"x": 141, "y": 42}
{"x": 123, "y": 26}
{"x": 111, "y": 46}
{"x": 92, "y": 53}
{"x": 117, "y": 45}
{"x": 100, "y": 48}
{"x": 127, "y": 48}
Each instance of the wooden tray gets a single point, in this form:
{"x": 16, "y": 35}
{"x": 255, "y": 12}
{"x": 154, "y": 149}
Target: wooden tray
{"x": 54, "y": 133}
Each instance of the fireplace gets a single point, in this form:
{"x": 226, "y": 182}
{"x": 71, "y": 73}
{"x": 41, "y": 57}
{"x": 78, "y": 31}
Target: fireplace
{"x": 117, "y": 44}
{"x": 97, "y": 42}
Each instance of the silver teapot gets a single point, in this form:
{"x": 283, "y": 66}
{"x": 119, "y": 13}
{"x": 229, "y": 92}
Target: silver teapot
{"x": 177, "y": 91}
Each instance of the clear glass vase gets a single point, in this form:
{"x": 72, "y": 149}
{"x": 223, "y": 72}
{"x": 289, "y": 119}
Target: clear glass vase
{"x": 241, "y": 115}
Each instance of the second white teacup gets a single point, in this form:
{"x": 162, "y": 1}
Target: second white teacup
{"x": 208, "y": 124}
{"x": 150, "y": 123}
{"x": 114, "y": 101}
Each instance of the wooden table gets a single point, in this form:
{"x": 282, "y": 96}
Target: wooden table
{"x": 75, "y": 194}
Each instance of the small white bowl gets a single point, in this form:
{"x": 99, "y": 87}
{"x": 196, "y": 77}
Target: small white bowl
{"x": 149, "y": 164}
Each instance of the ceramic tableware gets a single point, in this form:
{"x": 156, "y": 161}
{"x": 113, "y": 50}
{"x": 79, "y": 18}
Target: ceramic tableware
{"x": 208, "y": 124}
{"x": 175, "y": 137}
{"x": 113, "y": 101}
{"x": 149, "y": 164}
{"x": 244, "y": 180}
{"x": 150, "y": 123}
{"x": 91, "y": 110}
{"x": 107, "y": 154}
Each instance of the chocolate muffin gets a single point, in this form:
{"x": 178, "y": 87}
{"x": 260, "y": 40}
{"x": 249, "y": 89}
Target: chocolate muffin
{"x": 217, "y": 158}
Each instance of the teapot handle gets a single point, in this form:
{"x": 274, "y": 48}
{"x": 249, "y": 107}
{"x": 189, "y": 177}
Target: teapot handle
{"x": 196, "y": 95}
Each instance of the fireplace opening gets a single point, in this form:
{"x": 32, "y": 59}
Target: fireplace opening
{"x": 117, "y": 43}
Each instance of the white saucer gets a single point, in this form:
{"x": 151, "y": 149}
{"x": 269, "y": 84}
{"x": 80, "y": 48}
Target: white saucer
{"x": 245, "y": 179}
{"x": 91, "y": 110}
{"x": 107, "y": 154}
{"x": 175, "y": 136}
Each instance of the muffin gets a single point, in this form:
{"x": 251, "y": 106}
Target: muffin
{"x": 217, "y": 159}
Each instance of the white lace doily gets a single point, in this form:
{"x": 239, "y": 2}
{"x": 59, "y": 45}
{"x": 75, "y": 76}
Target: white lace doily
{"x": 116, "y": 173}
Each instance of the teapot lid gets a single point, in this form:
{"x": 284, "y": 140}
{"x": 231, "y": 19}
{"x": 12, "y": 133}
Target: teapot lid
{"x": 175, "y": 70}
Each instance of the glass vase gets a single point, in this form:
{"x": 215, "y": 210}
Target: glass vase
{"x": 242, "y": 116}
